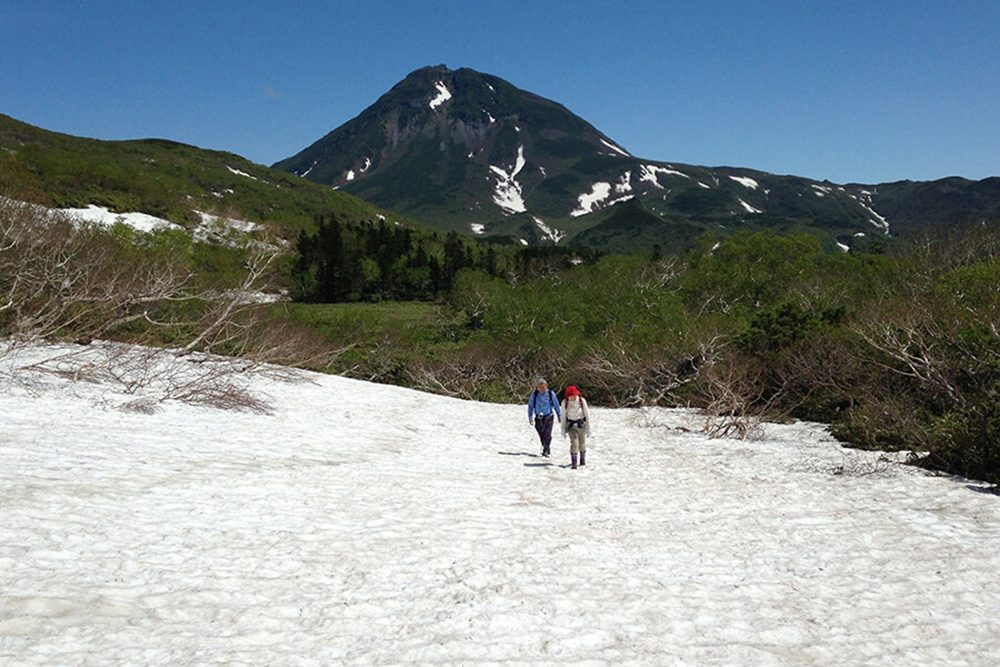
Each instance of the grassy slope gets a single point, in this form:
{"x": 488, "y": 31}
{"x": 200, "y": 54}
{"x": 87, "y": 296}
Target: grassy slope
{"x": 164, "y": 178}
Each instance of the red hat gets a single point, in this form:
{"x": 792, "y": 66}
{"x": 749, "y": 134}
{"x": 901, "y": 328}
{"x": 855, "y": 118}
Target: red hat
{"x": 572, "y": 391}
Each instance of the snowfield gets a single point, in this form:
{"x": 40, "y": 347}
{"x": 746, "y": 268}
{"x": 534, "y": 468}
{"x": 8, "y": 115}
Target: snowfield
{"x": 367, "y": 524}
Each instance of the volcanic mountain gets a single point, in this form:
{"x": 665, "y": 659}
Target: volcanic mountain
{"x": 466, "y": 151}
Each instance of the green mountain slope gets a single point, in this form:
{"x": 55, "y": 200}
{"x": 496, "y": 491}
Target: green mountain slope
{"x": 163, "y": 178}
{"x": 908, "y": 205}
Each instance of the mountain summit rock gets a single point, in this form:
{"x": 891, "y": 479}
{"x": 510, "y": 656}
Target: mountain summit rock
{"x": 465, "y": 151}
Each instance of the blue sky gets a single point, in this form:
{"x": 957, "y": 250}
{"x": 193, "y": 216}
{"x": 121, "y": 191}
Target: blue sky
{"x": 847, "y": 91}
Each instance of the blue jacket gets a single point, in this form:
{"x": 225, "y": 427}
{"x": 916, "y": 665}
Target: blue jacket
{"x": 543, "y": 404}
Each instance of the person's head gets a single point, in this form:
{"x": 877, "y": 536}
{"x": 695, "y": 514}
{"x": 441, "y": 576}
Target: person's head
{"x": 572, "y": 391}
{"x": 542, "y": 384}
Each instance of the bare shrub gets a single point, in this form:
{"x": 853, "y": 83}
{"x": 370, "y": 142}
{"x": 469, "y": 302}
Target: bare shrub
{"x": 853, "y": 464}
{"x": 156, "y": 375}
{"x": 62, "y": 278}
{"x": 482, "y": 374}
{"x": 736, "y": 397}
{"x": 650, "y": 418}
{"x": 627, "y": 379}
{"x": 856, "y": 464}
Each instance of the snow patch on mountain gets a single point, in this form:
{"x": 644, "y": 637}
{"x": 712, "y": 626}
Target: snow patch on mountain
{"x": 650, "y": 173}
{"x": 617, "y": 149}
{"x": 241, "y": 173}
{"x": 867, "y": 203}
{"x": 745, "y": 182}
{"x": 350, "y": 175}
{"x": 100, "y": 215}
{"x": 211, "y": 229}
{"x": 588, "y": 200}
{"x": 624, "y": 184}
{"x": 443, "y": 95}
{"x": 477, "y": 228}
{"x": 507, "y": 192}
{"x": 220, "y": 229}
{"x": 600, "y": 196}
{"x": 749, "y": 208}
{"x": 554, "y": 235}
{"x": 244, "y": 226}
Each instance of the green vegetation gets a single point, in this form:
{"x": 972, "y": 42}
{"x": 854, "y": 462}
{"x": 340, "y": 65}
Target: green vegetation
{"x": 163, "y": 178}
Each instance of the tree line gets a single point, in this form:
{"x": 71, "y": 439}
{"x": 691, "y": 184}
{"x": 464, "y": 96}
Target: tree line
{"x": 377, "y": 261}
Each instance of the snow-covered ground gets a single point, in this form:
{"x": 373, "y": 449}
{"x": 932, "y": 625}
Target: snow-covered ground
{"x": 367, "y": 524}
{"x": 102, "y": 216}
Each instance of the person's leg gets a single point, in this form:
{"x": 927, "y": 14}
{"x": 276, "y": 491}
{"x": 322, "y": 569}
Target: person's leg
{"x": 583, "y": 445}
{"x": 548, "y": 433}
{"x": 544, "y": 426}
{"x": 574, "y": 445}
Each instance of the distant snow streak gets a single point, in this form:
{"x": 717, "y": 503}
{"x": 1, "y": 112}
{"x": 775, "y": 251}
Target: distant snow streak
{"x": 745, "y": 182}
{"x": 554, "y": 235}
{"x": 443, "y": 95}
{"x": 587, "y": 201}
{"x": 616, "y": 149}
{"x": 749, "y": 208}
{"x": 507, "y": 192}
{"x": 241, "y": 173}
{"x": 876, "y": 219}
{"x": 102, "y": 216}
{"x": 649, "y": 172}
{"x": 599, "y": 194}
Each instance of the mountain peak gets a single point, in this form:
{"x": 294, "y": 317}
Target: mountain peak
{"x": 466, "y": 151}
{"x": 459, "y": 130}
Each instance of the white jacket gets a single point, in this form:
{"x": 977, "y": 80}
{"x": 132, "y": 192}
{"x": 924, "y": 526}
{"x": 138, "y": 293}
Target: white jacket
{"x": 573, "y": 411}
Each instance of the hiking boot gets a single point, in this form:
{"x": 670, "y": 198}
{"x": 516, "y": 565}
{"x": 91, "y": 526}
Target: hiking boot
{"x": 583, "y": 458}
{"x": 573, "y": 459}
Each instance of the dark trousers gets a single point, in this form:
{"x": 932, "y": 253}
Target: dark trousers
{"x": 543, "y": 424}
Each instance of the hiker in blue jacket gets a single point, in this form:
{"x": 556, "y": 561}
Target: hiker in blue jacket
{"x": 543, "y": 410}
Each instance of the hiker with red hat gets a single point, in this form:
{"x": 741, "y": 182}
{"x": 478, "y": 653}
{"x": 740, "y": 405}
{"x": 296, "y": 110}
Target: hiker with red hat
{"x": 575, "y": 422}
